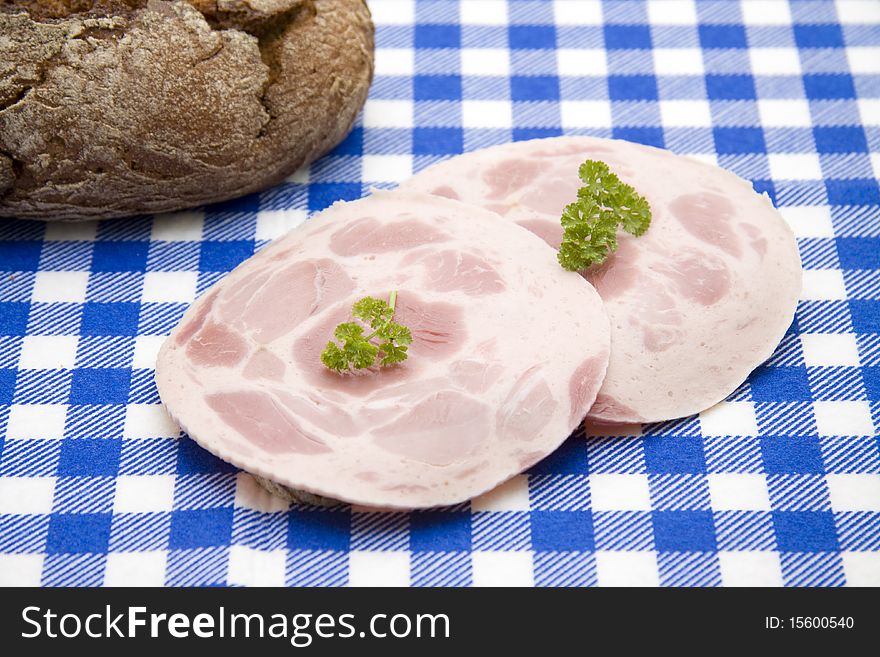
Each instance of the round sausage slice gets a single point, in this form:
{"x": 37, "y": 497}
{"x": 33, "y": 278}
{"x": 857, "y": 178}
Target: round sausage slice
{"x": 695, "y": 304}
{"x": 508, "y": 354}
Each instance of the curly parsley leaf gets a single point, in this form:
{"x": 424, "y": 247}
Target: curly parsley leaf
{"x": 373, "y": 312}
{"x": 590, "y": 223}
{"x": 355, "y": 350}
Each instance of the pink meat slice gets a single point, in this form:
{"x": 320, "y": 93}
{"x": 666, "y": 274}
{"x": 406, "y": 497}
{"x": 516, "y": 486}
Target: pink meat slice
{"x": 508, "y": 355}
{"x": 695, "y": 304}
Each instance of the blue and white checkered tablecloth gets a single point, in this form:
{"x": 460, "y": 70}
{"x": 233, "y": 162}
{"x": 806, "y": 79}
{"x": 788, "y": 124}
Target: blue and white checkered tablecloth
{"x": 779, "y": 485}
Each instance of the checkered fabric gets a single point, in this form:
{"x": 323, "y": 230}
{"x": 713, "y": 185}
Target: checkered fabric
{"x": 779, "y": 485}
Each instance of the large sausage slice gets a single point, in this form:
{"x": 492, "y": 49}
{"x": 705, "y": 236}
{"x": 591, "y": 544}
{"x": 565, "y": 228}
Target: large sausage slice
{"x": 695, "y": 304}
{"x": 508, "y": 355}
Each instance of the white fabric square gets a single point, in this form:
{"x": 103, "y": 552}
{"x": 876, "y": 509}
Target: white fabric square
{"x": 706, "y": 158}
{"x": 617, "y": 568}
{"x": 795, "y": 166}
{"x": 729, "y": 419}
{"x": 71, "y": 231}
{"x": 148, "y": 421}
{"x": 672, "y": 12}
{"x": 21, "y": 569}
{"x": 178, "y": 226}
{"x": 858, "y": 12}
{"x": 48, "y": 352}
{"x": 785, "y": 113}
{"x": 830, "y": 349}
{"x": 388, "y": 114}
{"x": 863, "y": 60}
{"x": 483, "y": 12}
{"x": 854, "y": 492}
{"x": 750, "y": 568}
{"x": 823, "y": 284}
{"x": 861, "y": 568}
{"x": 170, "y": 286}
{"x": 367, "y": 568}
{"x": 146, "y": 350}
{"x": 394, "y": 61}
{"x": 766, "y": 12}
{"x": 685, "y": 113}
{"x": 26, "y": 494}
{"x": 869, "y": 110}
{"x": 485, "y": 61}
{"x": 738, "y": 492}
{"x": 775, "y": 61}
{"x": 678, "y": 61}
{"x": 65, "y": 286}
{"x": 393, "y": 12}
{"x": 585, "y": 113}
{"x": 250, "y": 567}
{"x": 512, "y": 495}
{"x": 36, "y": 421}
{"x": 486, "y": 114}
{"x": 497, "y": 568}
{"x": 144, "y": 493}
{"x": 386, "y": 168}
{"x": 272, "y": 224}
{"x": 843, "y": 418}
{"x": 620, "y": 492}
{"x": 136, "y": 568}
{"x": 581, "y": 62}
{"x": 808, "y": 220}
{"x": 250, "y": 495}
{"x": 577, "y": 12}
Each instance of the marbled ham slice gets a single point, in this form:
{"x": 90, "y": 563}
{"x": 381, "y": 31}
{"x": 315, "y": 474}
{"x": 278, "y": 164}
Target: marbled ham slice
{"x": 509, "y": 352}
{"x": 695, "y": 304}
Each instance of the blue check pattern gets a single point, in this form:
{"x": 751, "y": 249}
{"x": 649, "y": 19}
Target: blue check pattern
{"x": 779, "y": 485}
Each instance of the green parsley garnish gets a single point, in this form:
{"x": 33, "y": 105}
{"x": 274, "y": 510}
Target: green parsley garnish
{"x": 590, "y": 223}
{"x": 356, "y": 350}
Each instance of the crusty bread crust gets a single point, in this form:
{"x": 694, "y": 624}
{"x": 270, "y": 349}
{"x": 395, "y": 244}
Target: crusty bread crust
{"x": 143, "y": 106}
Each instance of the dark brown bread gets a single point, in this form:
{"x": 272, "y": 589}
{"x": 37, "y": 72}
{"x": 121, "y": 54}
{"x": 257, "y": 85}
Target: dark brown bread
{"x": 111, "y": 108}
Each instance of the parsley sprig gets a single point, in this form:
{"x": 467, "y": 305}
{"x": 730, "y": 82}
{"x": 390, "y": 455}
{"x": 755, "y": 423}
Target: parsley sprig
{"x": 590, "y": 223}
{"x": 357, "y": 350}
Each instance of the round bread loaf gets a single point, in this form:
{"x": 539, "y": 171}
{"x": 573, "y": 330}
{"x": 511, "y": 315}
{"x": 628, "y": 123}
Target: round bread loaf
{"x": 111, "y": 108}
